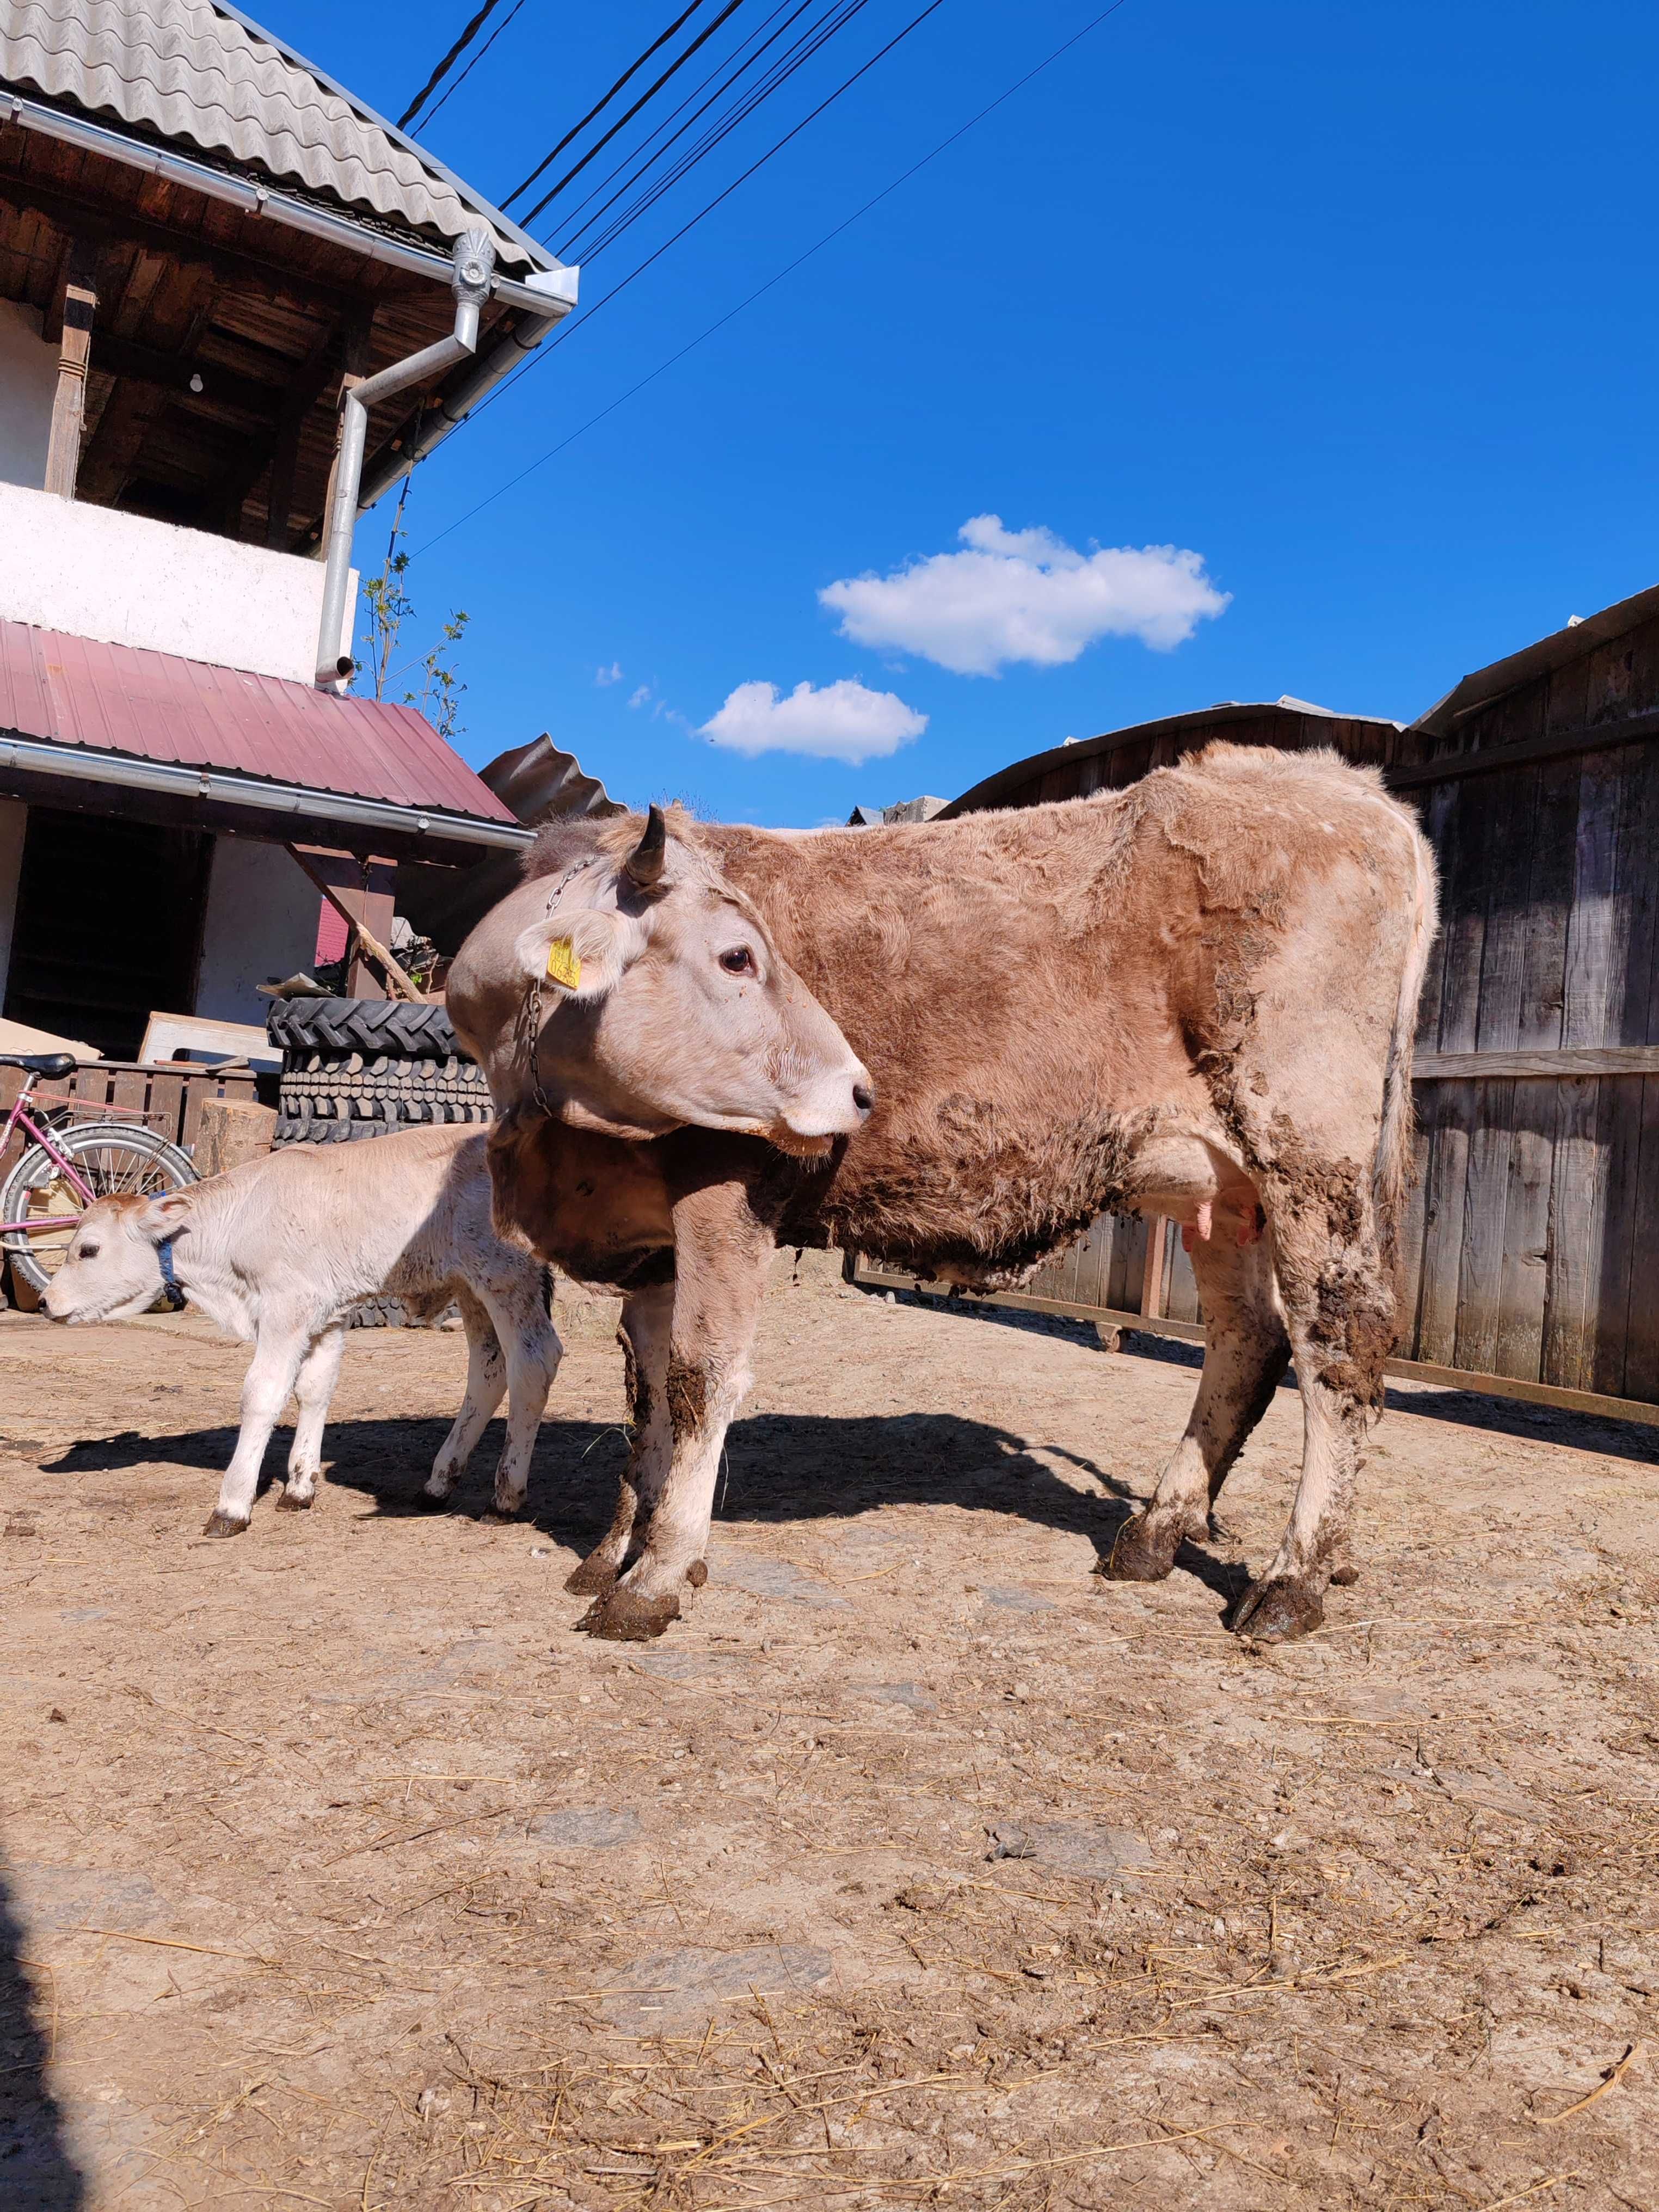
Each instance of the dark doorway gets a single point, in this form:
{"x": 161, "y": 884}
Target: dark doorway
{"x": 108, "y": 928}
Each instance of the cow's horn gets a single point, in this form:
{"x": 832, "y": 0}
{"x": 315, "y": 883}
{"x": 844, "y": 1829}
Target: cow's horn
{"x": 643, "y": 867}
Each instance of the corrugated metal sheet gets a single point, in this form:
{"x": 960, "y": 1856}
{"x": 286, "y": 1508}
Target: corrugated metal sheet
{"x": 119, "y": 698}
{"x": 197, "y": 75}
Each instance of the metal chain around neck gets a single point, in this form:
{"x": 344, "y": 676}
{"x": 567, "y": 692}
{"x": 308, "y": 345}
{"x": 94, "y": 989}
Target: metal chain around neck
{"x": 529, "y": 1013}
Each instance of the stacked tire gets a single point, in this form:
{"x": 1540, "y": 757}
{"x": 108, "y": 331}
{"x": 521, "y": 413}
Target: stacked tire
{"x": 364, "y": 1067}
{"x": 367, "y": 1067}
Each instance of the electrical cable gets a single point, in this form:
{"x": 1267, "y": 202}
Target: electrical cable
{"x": 644, "y": 100}
{"x": 811, "y": 42}
{"x": 761, "y": 290}
{"x": 437, "y": 108}
{"x": 603, "y": 102}
{"x": 447, "y": 63}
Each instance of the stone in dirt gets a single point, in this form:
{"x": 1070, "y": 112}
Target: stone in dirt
{"x": 671, "y": 1987}
{"x": 776, "y": 1578}
{"x": 1009, "y": 1597}
{"x": 899, "y": 1694}
{"x": 585, "y": 1828}
{"x": 1080, "y": 1847}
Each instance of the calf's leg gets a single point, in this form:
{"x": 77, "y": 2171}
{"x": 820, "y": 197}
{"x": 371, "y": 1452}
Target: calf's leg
{"x": 721, "y": 1254}
{"x": 277, "y": 1356}
{"x": 1246, "y": 1351}
{"x": 531, "y": 1345}
{"x": 648, "y": 1317}
{"x": 313, "y": 1387}
{"x": 486, "y": 1386}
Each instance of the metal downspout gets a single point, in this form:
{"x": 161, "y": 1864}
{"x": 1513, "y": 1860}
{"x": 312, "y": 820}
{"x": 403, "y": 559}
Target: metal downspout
{"x": 471, "y": 268}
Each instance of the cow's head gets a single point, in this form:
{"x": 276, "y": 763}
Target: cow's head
{"x": 663, "y": 999}
{"x": 113, "y": 1269}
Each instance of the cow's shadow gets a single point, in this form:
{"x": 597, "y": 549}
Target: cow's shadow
{"x": 778, "y": 1468}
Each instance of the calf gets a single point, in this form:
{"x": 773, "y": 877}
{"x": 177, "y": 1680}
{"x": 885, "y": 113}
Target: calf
{"x": 280, "y": 1250}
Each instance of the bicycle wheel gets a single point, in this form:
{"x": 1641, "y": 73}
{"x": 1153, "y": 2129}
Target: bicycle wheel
{"x": 111, "y": 1158}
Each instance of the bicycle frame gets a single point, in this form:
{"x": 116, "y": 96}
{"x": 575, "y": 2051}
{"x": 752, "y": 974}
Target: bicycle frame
{"x": 38, "y": 1133}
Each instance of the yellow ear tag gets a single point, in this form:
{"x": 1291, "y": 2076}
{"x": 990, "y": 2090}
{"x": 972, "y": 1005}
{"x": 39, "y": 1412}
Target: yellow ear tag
{"x": 563, "y": 965}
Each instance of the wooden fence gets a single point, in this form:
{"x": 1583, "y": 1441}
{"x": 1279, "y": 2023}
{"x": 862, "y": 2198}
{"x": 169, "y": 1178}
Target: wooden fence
{"x": 1531, "y": 1245}
{"x": 167, "y": 1099}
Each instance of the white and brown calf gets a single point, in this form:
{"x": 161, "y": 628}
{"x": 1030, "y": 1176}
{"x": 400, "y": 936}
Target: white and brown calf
{"x": 278, "y": 1252}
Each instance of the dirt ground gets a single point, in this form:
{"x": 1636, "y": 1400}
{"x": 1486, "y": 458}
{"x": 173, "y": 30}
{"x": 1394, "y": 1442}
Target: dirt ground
{"x": 920, "y": 1866}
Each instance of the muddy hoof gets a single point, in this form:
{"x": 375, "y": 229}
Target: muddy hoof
{"x": 623, "y": 1618}
{"x": 498, "y": 1517}
{"x": 288, "y": 1503}
{"x": 221, "y": 1524}
{"x": 697, "y": 1573}
{"x": 1143, "y": 1553}
{"x": 1278, "y": 1613}
{"x": 1346, "y": 1576}
{"x": 594, "y": 1577}
{"x": 429, "y": 1503}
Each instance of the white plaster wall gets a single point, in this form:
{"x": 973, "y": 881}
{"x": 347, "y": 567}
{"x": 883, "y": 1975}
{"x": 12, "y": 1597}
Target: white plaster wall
{"x": 14, "y": 821}
{"x": 28, "y": 382}
{"x": 127, "y": 580}
{"x": 261, "y": 921}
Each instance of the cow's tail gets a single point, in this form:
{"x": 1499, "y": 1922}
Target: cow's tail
{"x": 1391, "y": 1171}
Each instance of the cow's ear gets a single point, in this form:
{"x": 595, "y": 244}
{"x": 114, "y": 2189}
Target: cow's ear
{"x": 164, "y": 1217}
{"x": 578, "y": 955}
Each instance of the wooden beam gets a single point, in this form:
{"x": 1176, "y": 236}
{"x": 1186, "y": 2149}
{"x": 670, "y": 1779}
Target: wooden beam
{"x": 1560, "y": 1061}
{"x": 68, "y": 404}
{"x": 173, "y": 372}
{"x": 1634, "y": 729}
{"x": 403, "y": 986}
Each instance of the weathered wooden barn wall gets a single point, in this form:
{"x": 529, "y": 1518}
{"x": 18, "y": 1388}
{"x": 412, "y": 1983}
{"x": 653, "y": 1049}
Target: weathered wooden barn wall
{"x": 1532, "y": 1247}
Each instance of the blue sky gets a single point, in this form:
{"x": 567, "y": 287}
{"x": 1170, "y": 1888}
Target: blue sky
{"x": 1353, "y": 305}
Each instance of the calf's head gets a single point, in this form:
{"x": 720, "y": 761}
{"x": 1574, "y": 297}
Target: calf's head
{"x": 113, "y": 1269}
{"x": 663, "y": 1000}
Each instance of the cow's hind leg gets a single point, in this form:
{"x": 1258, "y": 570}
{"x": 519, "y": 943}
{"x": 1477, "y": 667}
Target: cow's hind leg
{"x": 1246, "y": 1351}
{"x": 313, "y": 1387}
{"x": 647, "y": 1318}
{"x": 276, "y": 1360}
{"x": 1339, "y": 1301}
{"x": 486, "y": 1386}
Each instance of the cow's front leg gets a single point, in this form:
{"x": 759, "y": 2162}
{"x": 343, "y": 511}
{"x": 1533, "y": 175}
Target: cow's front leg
{"x": 313, "y": 1387}
{"x": 1246, "y": 1351}
{"x": 722, "y": 1253}
{"x": 531, "y": 1347}
{"x": 648, "y": 1319}
{"x": 270, "y": 1376}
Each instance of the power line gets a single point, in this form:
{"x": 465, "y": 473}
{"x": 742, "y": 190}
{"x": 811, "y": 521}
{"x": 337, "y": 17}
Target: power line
{"x": 447, "y": 63}
{"x": 437, "y": 108}
{"x": 811, "y": 42}
{"x": 760, "y": 291}
{"x": 644, "y": 100}
{"x": 599, "y": 105}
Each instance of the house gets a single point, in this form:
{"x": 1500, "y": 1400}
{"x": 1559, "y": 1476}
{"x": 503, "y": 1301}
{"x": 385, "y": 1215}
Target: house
{"x": 207, "y": 248}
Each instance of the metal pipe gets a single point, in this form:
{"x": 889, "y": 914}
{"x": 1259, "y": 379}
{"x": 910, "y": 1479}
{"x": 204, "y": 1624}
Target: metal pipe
{"x": 131, "y": 772}
{"x": 550, "y": 292}
{"x": 475, "y": 257}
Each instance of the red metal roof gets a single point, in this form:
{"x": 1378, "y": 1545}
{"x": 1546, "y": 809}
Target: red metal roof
{"x": 124, "y": 699}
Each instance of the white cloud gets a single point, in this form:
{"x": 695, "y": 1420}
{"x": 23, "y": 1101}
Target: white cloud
{"x": 842, "y": 721}
{"x": 1025, "y": 595}
{"x": 641, "y": 695}
{"x": 611, "y": 675}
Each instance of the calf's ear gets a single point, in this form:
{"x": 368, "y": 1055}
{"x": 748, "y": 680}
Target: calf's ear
{"x": 578, "y": 955}
{"x": 164, "y": 1217}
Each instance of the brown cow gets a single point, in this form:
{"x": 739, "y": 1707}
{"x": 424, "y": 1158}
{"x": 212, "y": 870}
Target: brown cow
{"x": 1194, "y": 997}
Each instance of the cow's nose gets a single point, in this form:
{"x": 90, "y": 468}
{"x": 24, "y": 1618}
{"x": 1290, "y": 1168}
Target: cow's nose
{"x": 864, "y": 1097}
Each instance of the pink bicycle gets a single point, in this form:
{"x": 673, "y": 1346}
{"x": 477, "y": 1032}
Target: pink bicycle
{"x": 68, "y": 1164}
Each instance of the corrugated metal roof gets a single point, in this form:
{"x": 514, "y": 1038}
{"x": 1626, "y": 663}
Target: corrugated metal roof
{"x": 154, "y": 706}
{"x": 207, "y": 77}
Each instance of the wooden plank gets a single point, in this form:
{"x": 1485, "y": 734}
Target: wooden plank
{"x": 1128, "y": 1269}
{"x": 1181, "y": 1299}
{"x": 1564, "y": 1062}
{"x": 1594, "y": 1403}
{"x": 1156, "y": 1272}
{"x": 1490, "y": 760}
{"x": 1642, "y": 1321}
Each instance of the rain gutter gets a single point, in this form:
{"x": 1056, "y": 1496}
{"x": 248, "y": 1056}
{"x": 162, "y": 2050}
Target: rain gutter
{"x": 175, "y": 779}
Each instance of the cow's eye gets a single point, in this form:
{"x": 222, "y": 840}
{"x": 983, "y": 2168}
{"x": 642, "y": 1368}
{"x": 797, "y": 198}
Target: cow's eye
{"x": 740, "y": 961}
{"x": 87, "y": 1252}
